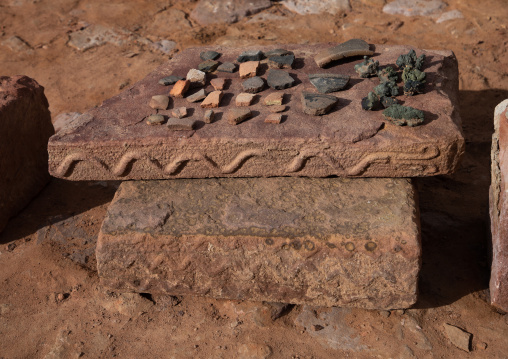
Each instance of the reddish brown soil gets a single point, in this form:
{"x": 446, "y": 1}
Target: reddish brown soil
{"x": 51, "y": 303}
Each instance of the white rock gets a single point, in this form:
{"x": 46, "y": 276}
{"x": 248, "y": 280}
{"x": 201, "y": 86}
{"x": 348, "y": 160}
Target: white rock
{"x": 450, "y": 15}
{"x": 414, "y": 7}
{"x": 197, "y": 78}
{"x": 306, "y": 7}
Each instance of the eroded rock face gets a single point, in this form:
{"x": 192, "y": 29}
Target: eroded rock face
{"x": 209, "y": 12}
{"x": 499, "y": 209}
{"x": 25, "y": 128}
{"x": 314, "y": 244}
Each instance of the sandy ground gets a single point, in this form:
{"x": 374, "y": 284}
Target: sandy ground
{"x": 51, "y": 302}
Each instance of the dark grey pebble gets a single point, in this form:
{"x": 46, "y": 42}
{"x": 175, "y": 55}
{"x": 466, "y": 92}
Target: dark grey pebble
{"x": 279, "y": 79}
{"x": 326, "y": 83}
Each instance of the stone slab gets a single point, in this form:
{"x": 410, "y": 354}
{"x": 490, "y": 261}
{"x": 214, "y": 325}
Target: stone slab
{"x": 25, "y": 128}
{"x": 499, "y": 208}
{"x": 324, "y": 242}
{"x": 112, "y": 142}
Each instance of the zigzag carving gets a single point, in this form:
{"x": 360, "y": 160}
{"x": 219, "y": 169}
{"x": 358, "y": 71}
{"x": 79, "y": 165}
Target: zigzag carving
{"x": 297, "y": 163}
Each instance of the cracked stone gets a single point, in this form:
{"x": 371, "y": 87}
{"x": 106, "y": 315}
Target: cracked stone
{"x": 253, "y": 85}
{"x": 159, "y": 102}
{"x": 179, "y": 112}
{"x": 196, "y": 78}
{"x": 353, "y": 47}
{"x": 212, "y": 100}
{"x": 244, "y": 99}
{"x": 218, "y": 83}
{"x": 250, "y": 55}
{"x": 276, "y": 108}
{"x": 209, "y": 55}
{"x": 227, "y": 67}
{"x": 279, "y": 79}
{"x": 179, "y": 89}
{"x": 208, "y": 12}
{"x": 281, "y": 62}
{"x": 170, "y": 80}
{"x": 275, "y": 98}
{"x": 155, "y": 120}
{"x": 234, "y": 116}
{"x": 208, "y": 116}
{"x": 197, "y": 96}
{"x": 326, "y": 83}
{"x": 273, "y": 118}
{"x": 248, "y": 69}
{"x": 208, "y": 66}
{"x": 317, "y": 104}
{"x": 181, "y": 124}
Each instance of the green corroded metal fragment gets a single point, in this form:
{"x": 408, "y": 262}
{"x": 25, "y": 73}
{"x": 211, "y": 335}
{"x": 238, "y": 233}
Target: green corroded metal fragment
{"x": 403, "y": 115}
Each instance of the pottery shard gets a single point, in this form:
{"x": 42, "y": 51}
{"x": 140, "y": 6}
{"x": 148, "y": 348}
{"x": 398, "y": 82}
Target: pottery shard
{"x": 273, "y": 118}
{"x": 458, "y": 337}
{"x": 155, "y": 120}
{"x": 196, "y": 78}
{"x": 179, "y": 88}
{"x": 281, "y": 62}
{"x": 212, "y": 100}
{"x": 159, "y": 102}
{"x": 276, "y": 108}
{"x": 209, "y": 116}
{"x": 209, "y": 55}
{"x": 234, "y": 116}
{"x": 253, "y": 85}
{"x": 181, "y": 124}
{"x": 244, "y": 99}
{"x": 218, "y": 83}
{"x": 179, "y": 238}
{"x": 197, "y": 96}
{"x": 326, "y": 83}
{"x": 208, "y": 12}
{"x": 275, "y": 98}
{"x": 250, "y": 55}
{"x": 179, "y": 112}
{"x": 248, "y": 69}
{"x": 227, "y": 67}
{"x": 208, "y": 66}
{"x": 279, "y": 79}
{"x": 499, "y": 208}
{"x": 170, "y": 80}
{"x": 353, "y": 47}
{"x": 25, "y": 128}
{"x": 317, "y": 104}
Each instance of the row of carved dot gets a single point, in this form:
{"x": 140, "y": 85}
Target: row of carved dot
{"x": 309, "y": 245}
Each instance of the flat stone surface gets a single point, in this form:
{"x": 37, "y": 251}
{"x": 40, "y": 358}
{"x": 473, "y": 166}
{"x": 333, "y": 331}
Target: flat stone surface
{"x": 154, "y": 120}
{"x": 499, "y": 208}
{"x": 414, "y": 7}
{"x": 227, "y": 67}
{"x": 281, "y": 62}
{"x": 112, "y": 142}
{"x": 179, "y": 112}
{"x": 275, "y": 98}
{"x": 25, "y": 128}
{"x": 317, "y": 104}
{"x": 353, "y": 47}
{"x": 277, "y": 108}
{"x": 197, "y": 96}
{"x": 273, "y": 118}
{"x": 325, "y": 242}
{"x": 208, "y": 12}
{"x": 308, "y": 7}
{"x": 209, "y": 116}
{"x": 181, "y": 124}
{"x": 326, "y": 83}
{"x": 458, "y": 337}
{"x": 159, "y": 102}
{"x": 244, "y": 99}
{"x": 234, "y": 116}
{"x": 218, "y": 83}
{"x": 248, "y": 69}
{"x": 212, "y": 100}
{"x": 253, "y": 85}
{"x": 208, "y": 66}
{"x": 170, "y": 80}
{"x": 209, "y": 55}
{"x": 279, "y": 79}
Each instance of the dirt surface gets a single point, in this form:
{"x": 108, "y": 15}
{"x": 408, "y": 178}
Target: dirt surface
{"x": 51, "y": 303}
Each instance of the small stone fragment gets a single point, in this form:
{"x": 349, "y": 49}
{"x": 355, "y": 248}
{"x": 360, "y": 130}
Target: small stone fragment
{"x": 218, "y": 83}
{"x": 278, "y": 52}
{"x": 413, "y": 87}
{"x": 179, "y": 112}
{"x": 236, "y": 115}
{"x": 410, "y": 60}
{"x": 209, "y": 55}
{"x": 371, "y": 102}
{"x": 208, "y": 66}
{"x": 367, "y": 68}
{"x": 281, "y": 62}
{"x": 196, "y": 78}
{"x": 244, "y": 99}
{"x": 387, "y": 89}
{"x": 170, "y": 80}
{"x": 317, "y": 104}
{"x": 155, "y": 120}
{"x": 248, "y": 69}
{"x": 388, "y": 101}
{"x": 212, "y": 100}
{"x": 353, "y": 47}
{"x": 403, "y": 115}
{"x": 181, "y": 124}
{"x": 159, "y": 102}
{"x": 253, "y": 85}
{"x": 275, "y": 98}
{"x": 276, "y": 108}
{"x": 458, "y": 337}
{"x": 209, "y": 116}
{"x": 273, "y": 118}
{"x": 227, "y": 67}
{"x": 179, "y": 89}
{"x": 388, "y": 74}
{"x": 197, "y": 96}
{"x": 326, "y": 83}
{"x": 251, "y": 55}
{"x": 279, "y": 79}
{"x": 414, "y": 7}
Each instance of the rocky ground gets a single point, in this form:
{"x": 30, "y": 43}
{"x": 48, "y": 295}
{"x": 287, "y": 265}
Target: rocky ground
{"x": 85, "y": 51}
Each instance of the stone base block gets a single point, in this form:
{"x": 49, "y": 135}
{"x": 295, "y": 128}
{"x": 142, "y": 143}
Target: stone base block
{"x": 324, "y": 242}
{"x": 25, "y": 128}
{"x": 499, "y": 209}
